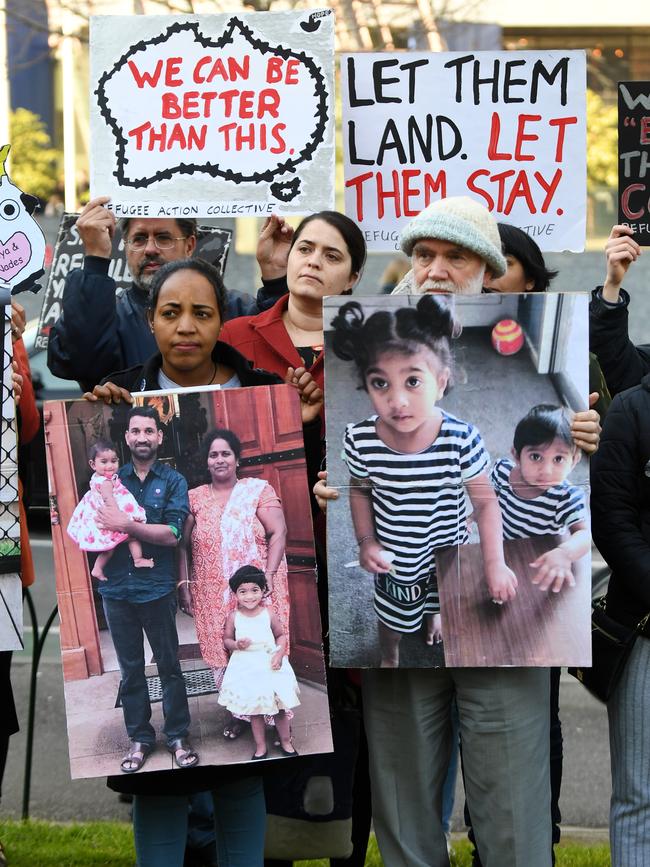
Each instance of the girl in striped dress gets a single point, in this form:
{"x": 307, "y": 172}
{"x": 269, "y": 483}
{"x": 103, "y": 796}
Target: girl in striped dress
{"x": 411, "y": 464}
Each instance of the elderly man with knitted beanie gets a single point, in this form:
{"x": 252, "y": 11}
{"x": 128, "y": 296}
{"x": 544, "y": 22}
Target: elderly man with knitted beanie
{"x": 453, "y": 244}
{"x": 504, "y": 712}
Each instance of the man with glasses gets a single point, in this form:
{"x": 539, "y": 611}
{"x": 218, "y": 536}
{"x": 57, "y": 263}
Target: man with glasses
{"x": 98, "y": 332}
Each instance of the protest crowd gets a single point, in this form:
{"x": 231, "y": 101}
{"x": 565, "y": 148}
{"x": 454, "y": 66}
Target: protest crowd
{"x": 172, "y": 538}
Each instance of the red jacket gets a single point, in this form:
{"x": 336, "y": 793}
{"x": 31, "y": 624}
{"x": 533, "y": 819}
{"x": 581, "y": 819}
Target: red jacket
{"x": 30, "y": 422}
{"x": 263, "y": 339}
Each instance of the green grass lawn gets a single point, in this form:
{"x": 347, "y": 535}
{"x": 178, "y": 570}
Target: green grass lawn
{"x": 110, "y": 844}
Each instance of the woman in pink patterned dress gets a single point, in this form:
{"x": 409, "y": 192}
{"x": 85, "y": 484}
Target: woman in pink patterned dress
{"x": 232, "y": 523}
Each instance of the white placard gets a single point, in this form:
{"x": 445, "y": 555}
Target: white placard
{"x": 507, "y": 128}
{"x": 213, "y": 115}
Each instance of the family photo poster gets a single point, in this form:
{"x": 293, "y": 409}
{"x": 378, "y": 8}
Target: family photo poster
{"x": 496, "y": 378}
{"x": 233, "y": 463}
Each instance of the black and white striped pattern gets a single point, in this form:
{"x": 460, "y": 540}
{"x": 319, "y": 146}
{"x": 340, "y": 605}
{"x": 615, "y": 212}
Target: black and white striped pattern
{"x": 419, "y": 505}
{"x": 553, "y": 511}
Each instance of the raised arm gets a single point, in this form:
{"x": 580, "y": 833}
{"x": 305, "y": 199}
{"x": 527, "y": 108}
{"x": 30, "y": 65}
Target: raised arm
{"x": 623, "y": 364}
{"x": 620, "y": 251}
{"x": 272, "y": 252}
{"x": 83, "y": 343}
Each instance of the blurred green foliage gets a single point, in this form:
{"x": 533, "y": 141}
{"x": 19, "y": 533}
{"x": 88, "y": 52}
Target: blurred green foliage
{"x": 602, "y": 143}
{"x": 34, "y": 163}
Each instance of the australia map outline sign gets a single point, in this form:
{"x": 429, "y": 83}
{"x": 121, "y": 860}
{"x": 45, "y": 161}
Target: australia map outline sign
{"x": 213, "y": 115}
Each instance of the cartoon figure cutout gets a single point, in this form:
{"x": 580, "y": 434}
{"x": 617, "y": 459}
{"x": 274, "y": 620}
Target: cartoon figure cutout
{"x": 22, "y": 243}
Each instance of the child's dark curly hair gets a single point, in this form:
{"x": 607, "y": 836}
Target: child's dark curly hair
{"x": 541, "y": 425}
{"x": 248, "y": 575}
{"x": 430, "y": 323}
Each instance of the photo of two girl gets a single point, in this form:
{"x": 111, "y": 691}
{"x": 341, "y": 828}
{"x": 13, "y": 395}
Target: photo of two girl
{"x": 462, "y": 526}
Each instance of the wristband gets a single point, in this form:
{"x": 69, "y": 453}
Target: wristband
{"x": 365, "y": 538}
{"x": 612, "y": 305}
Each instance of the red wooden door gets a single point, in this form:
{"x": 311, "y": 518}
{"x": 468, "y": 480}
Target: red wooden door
{"x": 268, "y": 424}
{"x": 80, "y": 646}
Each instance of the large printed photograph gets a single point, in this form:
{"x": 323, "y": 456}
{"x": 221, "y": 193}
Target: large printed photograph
{"x": 186, "y": 580}
{"x": 460, "y": 536}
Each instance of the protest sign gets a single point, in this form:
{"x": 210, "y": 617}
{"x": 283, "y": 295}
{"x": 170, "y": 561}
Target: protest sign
{"x": 424, "y": 469}
{"x": 226, "y": 475}
{"x": 22, "y": 243}
{"x": 634, "y": 158}
{"x": 212, "y": 244}
{"x": 507, "y": 128}
{"x": 11, "y": 599}
{"x": 212, "y": 115}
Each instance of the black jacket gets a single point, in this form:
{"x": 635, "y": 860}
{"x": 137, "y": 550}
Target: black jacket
{"x": 620, "y": 502}
{"x": 622, "y": 363}
{"x": 144, "y": 377}
{"x": 98, "y": 331}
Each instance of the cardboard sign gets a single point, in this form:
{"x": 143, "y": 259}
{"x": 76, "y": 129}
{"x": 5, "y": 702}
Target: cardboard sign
{"x": 213, "y": 115}
{"x": 425, "y": 471}
{"x": 212, "y": 244}
{"x": 634, "y": 158}
{"x": 507, "y": 128}
{"x": 22, "y": 243}
{"x": 228, "y": 512}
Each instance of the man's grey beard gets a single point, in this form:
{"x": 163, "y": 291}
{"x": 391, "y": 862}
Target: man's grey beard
{"x": 142, "y": 281}
{"x": 473, "y": 286}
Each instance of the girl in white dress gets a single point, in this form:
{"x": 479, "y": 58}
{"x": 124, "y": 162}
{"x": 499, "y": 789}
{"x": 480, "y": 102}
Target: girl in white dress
{"x": 259, "y": 679}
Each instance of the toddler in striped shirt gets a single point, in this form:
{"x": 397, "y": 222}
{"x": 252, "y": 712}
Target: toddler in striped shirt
{"x": 535, "y": 497}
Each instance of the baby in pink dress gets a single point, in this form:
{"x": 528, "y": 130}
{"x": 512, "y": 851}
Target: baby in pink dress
{"x": 105, "y": 489}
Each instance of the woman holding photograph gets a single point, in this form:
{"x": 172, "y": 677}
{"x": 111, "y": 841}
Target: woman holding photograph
{"x": 186, "y": 313}
{"x": 232, "y": 523}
